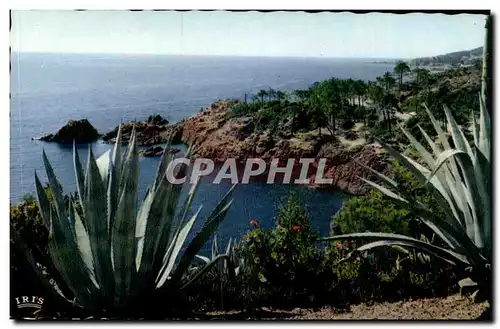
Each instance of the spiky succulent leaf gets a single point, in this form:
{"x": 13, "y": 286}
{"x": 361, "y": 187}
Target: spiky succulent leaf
{"x": 79, "y": 174}
{"x": 94, "y": 210}
{"x": 124, "y": 226}
{"x": 210, "y": 226}
{"x": 177, "y": 243}
{"x": 117, "y": 253}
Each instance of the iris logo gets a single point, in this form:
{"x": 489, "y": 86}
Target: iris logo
{"x": 29, "y": 302}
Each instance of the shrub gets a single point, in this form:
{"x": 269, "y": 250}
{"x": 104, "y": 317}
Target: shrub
{"x": 385, "y": 273}
{"x": 25, "y": 217}
{"x": 283, "y": 265}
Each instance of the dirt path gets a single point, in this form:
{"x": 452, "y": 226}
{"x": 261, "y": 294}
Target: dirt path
{"x": 453, "y": 307}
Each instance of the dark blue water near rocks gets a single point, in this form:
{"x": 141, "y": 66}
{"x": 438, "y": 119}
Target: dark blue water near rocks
{"x": 47, "y": 90}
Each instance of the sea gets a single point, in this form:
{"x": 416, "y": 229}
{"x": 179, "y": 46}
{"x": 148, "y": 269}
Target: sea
{"x": 47, "y": 90}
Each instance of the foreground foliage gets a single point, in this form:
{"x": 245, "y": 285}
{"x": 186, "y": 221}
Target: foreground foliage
{"x": 285, "y": 267}
{"x": 459, "y": 179}
{"x": 111, "y": 261}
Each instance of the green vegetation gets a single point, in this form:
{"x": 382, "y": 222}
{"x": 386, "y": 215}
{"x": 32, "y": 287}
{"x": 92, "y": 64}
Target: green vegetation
{"x": 433, "y": 216}
{"x": 111, "y": 263}
{"x": 458, "y": 178}
{"x": 354, "y": 108}
{"x": 285, "y": 267}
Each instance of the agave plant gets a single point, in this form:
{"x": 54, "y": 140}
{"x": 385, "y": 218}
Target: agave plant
{"x": 112, "y": 257}
{"x": 459, "y": 178}
{"x": 231, "y": 265}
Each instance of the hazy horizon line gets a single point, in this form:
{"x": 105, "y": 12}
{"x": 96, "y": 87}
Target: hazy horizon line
{"x": 238, "y": 55}
{"x": 201, "y": 55}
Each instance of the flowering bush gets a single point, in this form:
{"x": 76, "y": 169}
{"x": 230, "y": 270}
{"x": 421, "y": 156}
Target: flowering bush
{"x": 282, "y": 264}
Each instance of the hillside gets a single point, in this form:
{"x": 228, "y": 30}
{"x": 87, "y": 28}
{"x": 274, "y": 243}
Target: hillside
{"x": 465, "y": 57}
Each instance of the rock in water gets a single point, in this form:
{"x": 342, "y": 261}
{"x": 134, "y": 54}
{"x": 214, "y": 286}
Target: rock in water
{"x": 157, "y": 119}
{"x": 80, "y": 131}
{"x": 155, "y": 130}
{"x": 152, "y": 151}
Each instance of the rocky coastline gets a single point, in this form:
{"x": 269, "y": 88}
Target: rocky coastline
{"x": 215, "y": 135}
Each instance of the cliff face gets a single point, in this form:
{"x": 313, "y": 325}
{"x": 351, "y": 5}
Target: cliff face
{"x": 215, "y": 135}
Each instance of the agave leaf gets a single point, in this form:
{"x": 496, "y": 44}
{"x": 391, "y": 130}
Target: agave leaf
{"x": 472, "y": 197}
{"x": 385, "y": 191}
{"x": 392, "y": 243}
{"x": 166, "y": 158}
{"x": 170, "y": 227}
{"x": 169, "y": 224}
{"x": 104, "y": 165}
{"x": 483, "y": 180}
{"x": 117, "y": 152}
{"x": 205, "y": 268}
{"x": 112, "y": 201}
{"x": 453, "y": 232}
{"x": 187, "y": 203}
{"x": 435, "y": 187}
{"x": 80, "y": 177}
{"x": 43, "y": 202}
{"x": 443, "y": 157}
{"x": 113, "y": 183}
{"x": 95, "y": 210}
{"x": 177, "y": 243}
{"x": 434, "y": 147}
{"x": 67, "y": 260}
{"x": 158, "y": 224}
{"x": 443, "y": 185}
{"x": 215, "y": 247}
{"x": 210, "y": 226}
{"x": 140, "y": 229}
{"x": 175, "y": 229}
{"x": 229, "y": 245}
{"x": 443, "y": 139}
{"x": 123, "y": 238}
{"x": 445, "y": 236}
{"x": 56, "y": 194}
{"x": 421, "y": 150}
{"x": 82, "y": 240}
{"x": 203, "y": 258}
{"x": 439, "y": 130}
{"x": 382, "y": 176}
{"x": 390, "y": 237}
{"x": 457, "y": 134}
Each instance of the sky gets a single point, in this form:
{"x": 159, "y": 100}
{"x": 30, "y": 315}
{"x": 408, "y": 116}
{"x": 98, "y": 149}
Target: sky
{"x": 374, "y": 35}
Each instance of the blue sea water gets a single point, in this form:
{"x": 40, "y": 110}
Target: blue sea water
{"x": 47, "y": 90}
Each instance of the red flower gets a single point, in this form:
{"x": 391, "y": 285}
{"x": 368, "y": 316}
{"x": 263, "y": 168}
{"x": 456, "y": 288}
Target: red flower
{"x": 296, "y": 228}
{"x": 254, "y": 223}
{"x": 338, "y": 245}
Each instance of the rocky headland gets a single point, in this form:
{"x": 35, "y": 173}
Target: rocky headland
{"x": 214, "y": 134}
